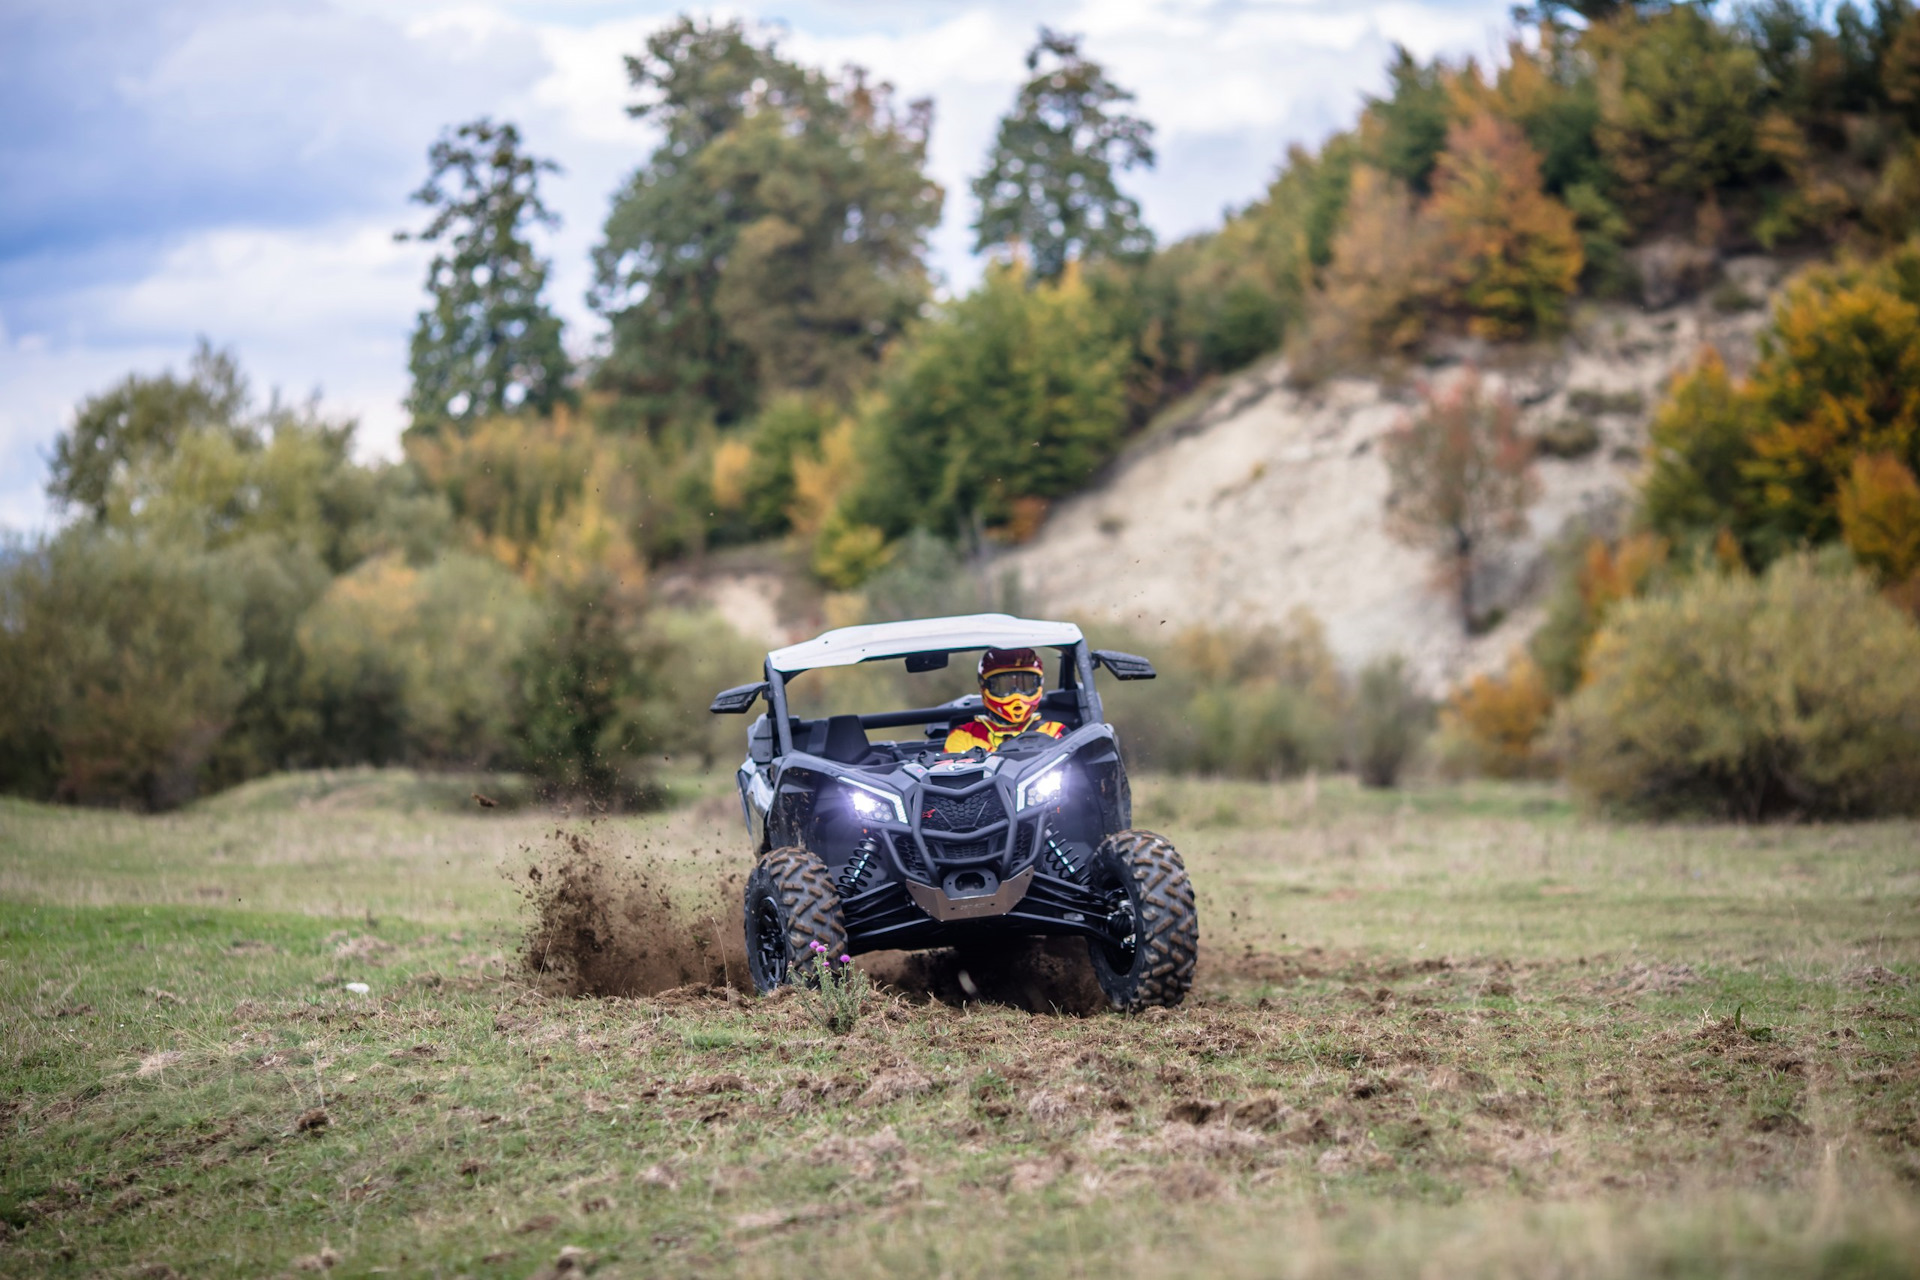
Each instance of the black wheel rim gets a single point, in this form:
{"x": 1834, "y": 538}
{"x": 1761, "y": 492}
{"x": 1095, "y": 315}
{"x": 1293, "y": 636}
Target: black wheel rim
{"x": 1121, "y": 946}
{"x": 769, "y": 943}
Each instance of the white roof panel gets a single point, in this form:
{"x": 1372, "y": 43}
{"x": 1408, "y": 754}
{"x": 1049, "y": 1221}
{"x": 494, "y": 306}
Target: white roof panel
{"x": 849, "y": 645}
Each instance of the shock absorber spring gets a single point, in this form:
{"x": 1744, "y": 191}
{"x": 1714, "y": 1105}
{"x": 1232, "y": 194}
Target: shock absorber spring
{"x": 855, "y": 876}
{"x": 1062, "y": 858}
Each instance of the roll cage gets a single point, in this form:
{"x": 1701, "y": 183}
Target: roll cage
{"x": 928, "y": 644}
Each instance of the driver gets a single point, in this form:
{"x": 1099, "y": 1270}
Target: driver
{"x": 1010, "y": 683}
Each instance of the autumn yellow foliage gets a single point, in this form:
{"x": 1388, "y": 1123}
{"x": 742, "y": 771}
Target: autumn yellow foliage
{"x": 1619, "y": 571}
{"x": 1493, "y": 722}
{"x": 1488, "y": 250}
{"x": 1510, "y": 251}
{"x": 1880, "y": 522}
{"x": 550, "y": 498}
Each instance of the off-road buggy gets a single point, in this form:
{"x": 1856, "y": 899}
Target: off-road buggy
{"x": 867, "y": 845}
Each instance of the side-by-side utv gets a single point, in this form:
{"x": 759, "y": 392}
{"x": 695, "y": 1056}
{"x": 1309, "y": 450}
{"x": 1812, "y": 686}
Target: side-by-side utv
{"x": 868, "y": 844}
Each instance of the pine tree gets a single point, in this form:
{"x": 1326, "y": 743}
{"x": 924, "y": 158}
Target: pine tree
{"x": 1049, "y": 180}
{"x": 488, "y": 345}
{"x": 1406, "y": 130}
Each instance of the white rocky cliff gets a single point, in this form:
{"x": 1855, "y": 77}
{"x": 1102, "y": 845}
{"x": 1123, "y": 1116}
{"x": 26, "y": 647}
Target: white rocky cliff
{"x": 1271, "y": 499}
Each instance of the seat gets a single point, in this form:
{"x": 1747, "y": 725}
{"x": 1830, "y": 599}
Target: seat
{"x": 846, "y": 741}
{"x": 1062, "y": 705}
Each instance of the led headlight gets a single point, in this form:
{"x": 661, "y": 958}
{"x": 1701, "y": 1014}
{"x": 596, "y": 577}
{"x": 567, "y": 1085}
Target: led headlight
{"x": 873, "y": 804}
{"x": 1044, "y": 788}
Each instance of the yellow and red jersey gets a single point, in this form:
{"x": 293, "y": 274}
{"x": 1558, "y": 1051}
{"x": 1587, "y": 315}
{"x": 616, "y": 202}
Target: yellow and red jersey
{"x": 982, "y": 732}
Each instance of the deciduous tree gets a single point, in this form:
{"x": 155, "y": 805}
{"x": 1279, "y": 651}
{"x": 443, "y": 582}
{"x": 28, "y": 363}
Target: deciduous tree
{"x": 1680, "y": 109}
{"x": 143, "y": 417}
{"x": 1013, "y": 393}
{"x": 1511, "y": 249}
{"x": 1462, "y": 479}
{"x": 1880, "y": 522}
{"x": 772, "y": 241}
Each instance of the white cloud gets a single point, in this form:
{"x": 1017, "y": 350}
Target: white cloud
{"x": 332, "y": 98}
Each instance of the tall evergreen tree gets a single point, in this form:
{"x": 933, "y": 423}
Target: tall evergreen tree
{"x": 1407, "y": 129}
{"x": 774, "y": 239}
{"x": 488, "y": 344}
{"x": 1049, "y": 182}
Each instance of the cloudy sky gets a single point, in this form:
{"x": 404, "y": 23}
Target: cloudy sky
{"x": 237, "y": 168}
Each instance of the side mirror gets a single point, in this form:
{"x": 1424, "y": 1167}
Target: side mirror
{"x": 918, "y": 662}
{"x": 1125, "y": 666}
{"x": 735, "y": 701}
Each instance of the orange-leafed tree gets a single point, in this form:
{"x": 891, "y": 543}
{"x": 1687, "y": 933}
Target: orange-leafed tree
{"x": 1592, "y": 583}
{"x": 1839, "y": 377}
{"x": 1512, "y": 253}
{"x": 1381, "y": 286}
{"x": 1461, "y": 480}
{"x": 1764, "y": 461}
{"x": 1495, "y": 721}
{"x": 1880, "y": 521}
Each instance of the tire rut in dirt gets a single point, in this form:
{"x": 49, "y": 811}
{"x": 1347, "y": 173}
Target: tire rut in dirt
{"x": 1166, "y": 923}
{"x": 790, "y": 897}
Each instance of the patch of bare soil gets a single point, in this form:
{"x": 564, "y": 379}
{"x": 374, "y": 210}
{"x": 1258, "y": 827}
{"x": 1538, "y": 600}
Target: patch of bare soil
{"x": 605, "y": 922}
{"x": 1040, "y": 975}
{"x": 1642, "y": 979}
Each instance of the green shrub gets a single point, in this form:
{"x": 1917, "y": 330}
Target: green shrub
{"x": 1794, "y": 693}
{"x": 1567, "y": 438}
{"x": 1390, "y": 718}
{"x": 592, "y": 707}
{"x": 928, "y": 577}
{"x": 1594, "y": 400}
{"x": 790, "y": 426}
{"x": 1014, "y": 392}
{"x": 1259, "y": 703}
{"x": 700, "y": 655}
{"x": 1591, "y": 575}
{"x": 414, "y": 665}
{"x": 117, "y": 669}
{"x": 1265, "y": 730}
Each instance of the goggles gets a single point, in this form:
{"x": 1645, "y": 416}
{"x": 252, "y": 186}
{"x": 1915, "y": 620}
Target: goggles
{"x": 1007, "y": 684}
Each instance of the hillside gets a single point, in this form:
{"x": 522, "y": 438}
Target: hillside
{"x": 1269, "y": 499}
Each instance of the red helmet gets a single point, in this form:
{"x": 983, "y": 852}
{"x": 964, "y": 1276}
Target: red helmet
{"x": 1010, "y": 684}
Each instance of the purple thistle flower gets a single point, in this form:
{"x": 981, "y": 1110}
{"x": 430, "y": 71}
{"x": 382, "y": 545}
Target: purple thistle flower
{"x": 846, "y": 959}
{"x": 818, "y": 946}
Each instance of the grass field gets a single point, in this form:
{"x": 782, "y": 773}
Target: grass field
{"x": 1458, "y": 1030}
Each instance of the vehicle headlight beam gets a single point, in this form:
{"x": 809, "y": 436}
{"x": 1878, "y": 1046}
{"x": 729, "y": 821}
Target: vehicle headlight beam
{"x": 873, "y": 804}
{"x": 1042, "y": 788}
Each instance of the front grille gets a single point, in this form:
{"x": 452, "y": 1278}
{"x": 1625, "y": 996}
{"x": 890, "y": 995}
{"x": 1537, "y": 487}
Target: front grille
{"x": 1022, "y": 846}
{"x": 954, "y": 851}
{"x": 909, "y": 852}
{"x": 966, "y": 813}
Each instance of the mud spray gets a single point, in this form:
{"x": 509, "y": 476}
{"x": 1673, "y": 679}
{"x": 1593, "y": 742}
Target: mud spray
{"x": 608, "y": 919}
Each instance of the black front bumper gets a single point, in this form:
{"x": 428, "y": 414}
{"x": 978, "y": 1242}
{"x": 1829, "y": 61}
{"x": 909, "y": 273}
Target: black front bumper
{"x": 886, "y": 916}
